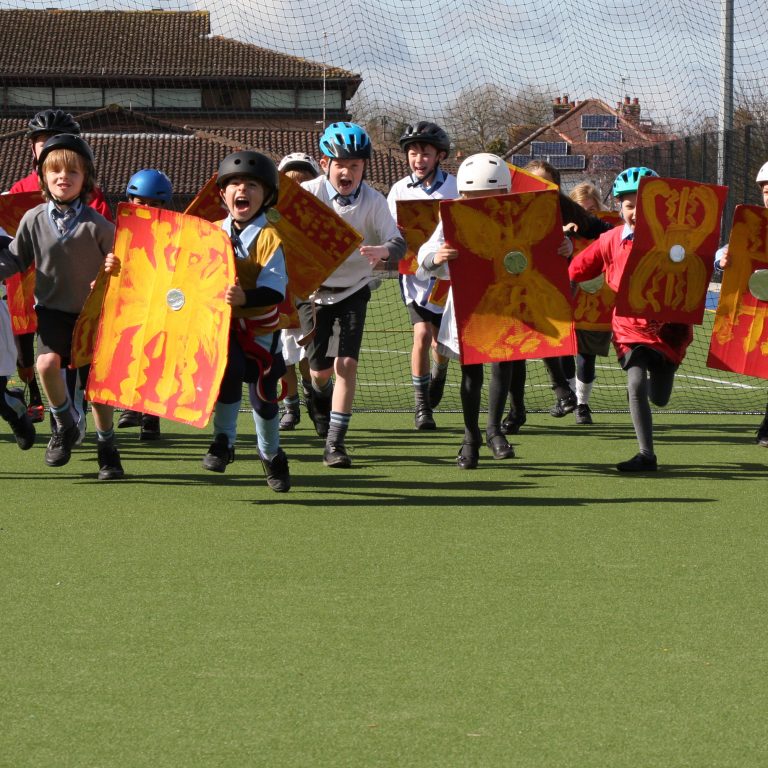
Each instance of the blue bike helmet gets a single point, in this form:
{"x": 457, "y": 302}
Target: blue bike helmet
{"x": 628, "y": 180}
{"x": 345, "y": 141}
{"x": 150, "y": 184}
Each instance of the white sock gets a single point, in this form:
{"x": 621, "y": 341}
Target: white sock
{"x": 583, "y": 391}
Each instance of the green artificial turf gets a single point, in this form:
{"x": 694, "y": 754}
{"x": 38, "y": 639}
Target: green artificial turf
{"x": 543, "y": 611}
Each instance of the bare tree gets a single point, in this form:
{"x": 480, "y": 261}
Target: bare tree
{"x": 384, "y": 123}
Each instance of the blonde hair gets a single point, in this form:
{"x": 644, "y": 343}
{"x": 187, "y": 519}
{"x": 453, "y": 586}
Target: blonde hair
{"x": 69, "y": 160}
{"x": 299, "y": 175}
{"x": 543, "y": 167}
{"x": 586, "y": 191}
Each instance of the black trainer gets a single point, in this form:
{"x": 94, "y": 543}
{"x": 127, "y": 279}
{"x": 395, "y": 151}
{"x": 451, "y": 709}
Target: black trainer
{"x": 110, "y": 467}
{"x": 23, "y": 431}
{"x": 290, "y": 418}
{"x": 515, "y": 419}
{"x": 219, "y": 454}
{"x": 762, "y": 433}
{"x": 150, "y": 427}
{"x": 423, "y": 418}
{"x": 436, "y": 389}
{"x": 638, "y": 463}
{"x": 469, "y": 456}
{"x": 59, "y": 449}
{"x": 335, "y": 455}
{"x": 278, "y": 476}
{"x": 129, "y": 419}
{"x": 564, "y": 406}
{"x": 499, "y": 447}
{"x": 583, "y": 414}
{"x": 321, "y": 415}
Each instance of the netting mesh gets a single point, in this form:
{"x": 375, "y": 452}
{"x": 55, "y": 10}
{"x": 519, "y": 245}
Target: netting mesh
{"x": 490, "y": 71}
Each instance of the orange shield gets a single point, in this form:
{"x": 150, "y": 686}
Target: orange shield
{"x": 20, "y": 288}
{"x": 417, "y": 220}
{"x": 510, "y": 289}
{"x": 668, "y": 270}
{"x": 162, "y": 341}
{"x": 207, "y": 203}
{"x": 739, "y": 340}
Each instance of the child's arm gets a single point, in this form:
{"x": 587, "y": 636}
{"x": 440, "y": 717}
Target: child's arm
{"x": 235, "y": 296}
{"x": 588, "y": 264}
{"x": 15, "y": 255}
{"x": 722, "y": 259}
{"x": 392, "y": 247}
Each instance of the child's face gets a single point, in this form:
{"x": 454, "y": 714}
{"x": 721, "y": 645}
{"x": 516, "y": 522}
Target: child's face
{"x": 243, "y": 197}
{"x": 627, "y": 208}
{"x": 423, "y": 159}
{"x": 345, "y": 175}
{"x": 64, "y": 184}
{"x": 39, "y": 142}
{"x": 764, "y": 190}
{"x": 148, "y": 201}
{"x": 589, "y": 204}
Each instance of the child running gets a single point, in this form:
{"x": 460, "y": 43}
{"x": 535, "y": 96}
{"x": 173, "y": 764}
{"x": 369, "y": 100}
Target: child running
{"x": 248, "y": 184}
{"x": 68, "y": 242}
{"x": 481, "y": 175}
{"x": 426, "y": 145}
{"x": 649, "y": 351}
{"x": 341, "y": 302}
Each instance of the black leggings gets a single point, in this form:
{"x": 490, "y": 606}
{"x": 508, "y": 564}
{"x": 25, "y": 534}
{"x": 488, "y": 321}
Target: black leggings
{"x": 471, "y": 390}
{"x": 650, "y": 378}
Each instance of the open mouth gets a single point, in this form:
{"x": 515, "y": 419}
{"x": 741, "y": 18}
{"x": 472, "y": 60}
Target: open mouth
{"x": 242, "y": 204}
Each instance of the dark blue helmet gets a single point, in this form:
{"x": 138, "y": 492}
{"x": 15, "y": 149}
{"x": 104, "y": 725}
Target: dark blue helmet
{"x": 150, "y": 184}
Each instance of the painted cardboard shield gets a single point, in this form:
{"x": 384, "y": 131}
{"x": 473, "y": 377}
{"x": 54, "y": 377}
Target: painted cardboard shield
{"x": 510, "y": 288}
{"x": 207, "y": 203}
{"x": 20, "y": 288}
{"x": 676, "y": 232}
{"x": 87, "y": 324}
{"x": 417, "y": 220}
{"x": 316, "y": 240}
{"x": 593, "y": 299}
{"x": 162, "y": 341}
{"x": 739, "y": 340}
{"x": 525, "y": 181}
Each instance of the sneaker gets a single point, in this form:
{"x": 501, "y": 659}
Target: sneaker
{"x": 150, "y": 427}
{"x": 423, "y": 418}
{"x": 278, "y": 476}
{"x": 129, "y": 419}
{"x": 511, "y": 425}
{"x": 500, "y": 448}
{"x": 23, "y": 431}
{"x": 110, "y": 467}
{"x": 321, "y": 415}
{"x": 638, "y": 463}
{"x": 468, "y": 456}
{"x": 290, "y": 419}
{"x": 219, "y": 454}
{"x": 335, "y": 455}
{"x": 564, "y": 406}
{"x": 60, "y": 445}
{"x": 435, "y": 393}
{"x": 583, "y": 414}
{"x": 762, "y": 433}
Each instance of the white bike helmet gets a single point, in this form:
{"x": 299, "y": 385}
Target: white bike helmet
{"x": 482, "y": 172}
{"x": 299, "y": 161}
{"x": 762, "y": 174}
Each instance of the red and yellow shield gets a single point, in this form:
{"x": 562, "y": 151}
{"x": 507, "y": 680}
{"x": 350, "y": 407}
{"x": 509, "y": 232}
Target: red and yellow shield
{"x": 739, "y": 340}
{"x": 510, "y": 288}
{"x": 676, "y": 233}
{"x": 417, "y": 220}
{"x": 207, "y": 203}
{"x": 20, "y": 288}
{"x": 162, "y": 341}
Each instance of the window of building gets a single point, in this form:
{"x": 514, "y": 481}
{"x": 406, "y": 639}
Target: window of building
{"x": 314, "y": 99}
{"x": 30, "y": 97}
{"x": 273, "y": 99}
{"x": 178, "y": 98}
{"x": 78, "y": 97}
{"x": 128, "y": 97}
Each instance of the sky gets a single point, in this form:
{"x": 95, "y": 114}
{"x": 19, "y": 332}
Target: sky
{"x": 425, "y": 54}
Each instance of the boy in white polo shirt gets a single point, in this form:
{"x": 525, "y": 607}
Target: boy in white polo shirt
{"x": 341, "y": 302}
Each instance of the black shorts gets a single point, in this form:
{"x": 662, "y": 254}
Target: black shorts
{"x": 419, "y": 314}
{"x": 54, "y": 332}
{"x": 593, "y": 342}
{"x": 338, "y": 329}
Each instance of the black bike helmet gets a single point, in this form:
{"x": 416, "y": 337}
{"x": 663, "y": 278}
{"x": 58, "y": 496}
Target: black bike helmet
{"x": 75, "y": 144}
{"x": 425, "y": 132}
{"x": 53, "y": 121}
{"x": 253, "y": 165}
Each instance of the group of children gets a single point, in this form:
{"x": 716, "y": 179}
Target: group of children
{"x": 68, "y": 238}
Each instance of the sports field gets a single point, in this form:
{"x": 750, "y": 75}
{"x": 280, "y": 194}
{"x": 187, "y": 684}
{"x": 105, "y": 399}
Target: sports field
{"x": 542, "y": 611}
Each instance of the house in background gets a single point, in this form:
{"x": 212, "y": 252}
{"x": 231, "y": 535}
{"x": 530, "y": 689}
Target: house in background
{"x": 586, "y": 140}
{"x": 156, "y": 89}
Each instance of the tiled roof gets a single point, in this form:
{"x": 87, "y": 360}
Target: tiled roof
{"x": 102, "y": 45}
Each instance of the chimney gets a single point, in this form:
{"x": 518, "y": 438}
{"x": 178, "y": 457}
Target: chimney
{"x": 631, "y": 110}
{"x": 561, "y": 106}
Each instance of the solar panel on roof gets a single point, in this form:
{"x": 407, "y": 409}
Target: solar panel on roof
{"x": 549, "y": 148}
{"x": 567, "y": 162}
{"x": 520, "y": 160}
{"x": 599, "y": 121}
{"x": 597, "y": 136}
{"x": 606, "y": 162}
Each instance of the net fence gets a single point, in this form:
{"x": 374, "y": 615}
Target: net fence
{"x": 178, "y": 85}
